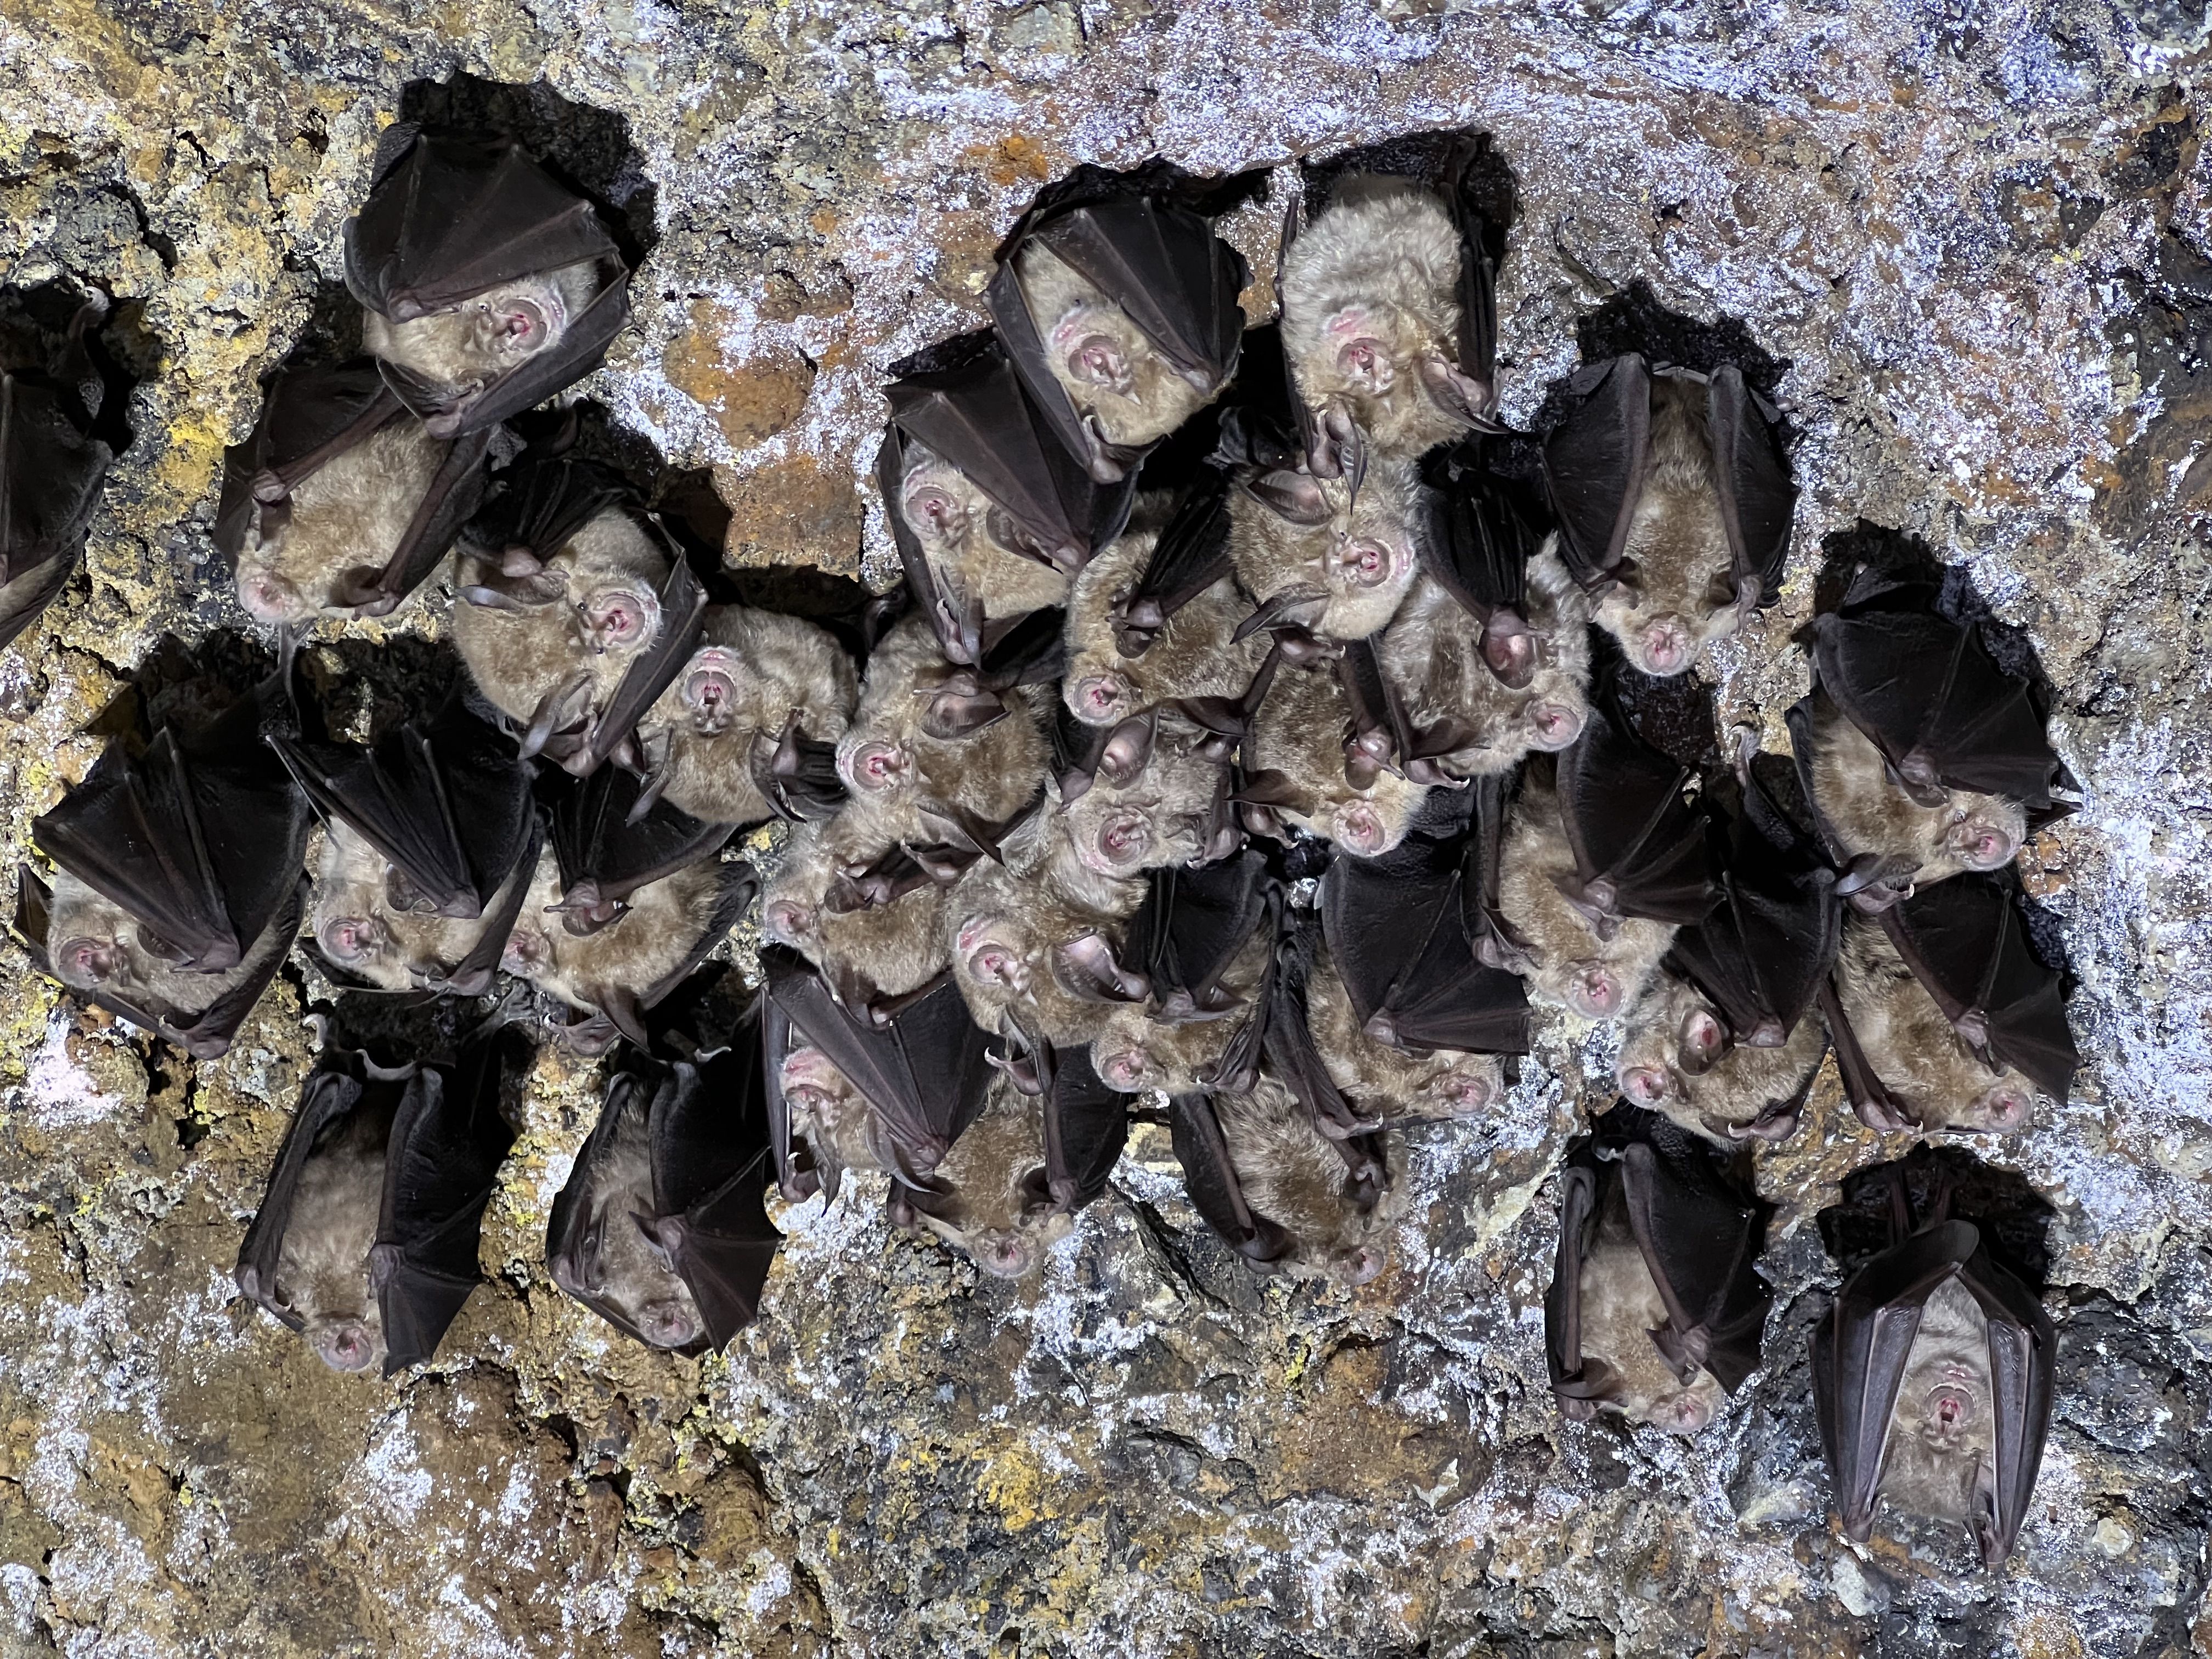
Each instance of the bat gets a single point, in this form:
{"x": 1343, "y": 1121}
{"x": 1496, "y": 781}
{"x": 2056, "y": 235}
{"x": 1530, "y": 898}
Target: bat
{"x": 95, "y": 948}
{"x": 1932, "y": 1378}
{"x": 366, "y": 1238}
{"x": 1189, "y": 639}
{"x": 987, "y": 1198}
{"x": 363, "y": 937}
{"x": 1319, "y": 556}
{"x": 607, "y": 848}
{"x": 1944, "y": 1017}
{"x": 1377, "y": 1080}
{"x": 1640, "y": 845}
{"x": 864, "y": 912}
{"x": 52, "y": 462}
{"x": 614, "y": 975}
{"x": 1117, "y": 306}
{"x": 446, "y": 805}
{"x": 992, "y": 514}
{"x": 575, "y": 619}
{"x": 1297, "y": 767}
{"x": 199, "y": 841}
{"x": 1166, "y": 809}
{"x": 1923, "y": 757}
{"x": 1674, "y": 500}
{"x": 1488, "y": 534}
{"x": 339, "y": 502}
{"x": 819, "y": 1124}
{"x": 1592, "y": 965}
{"x": 747, "y": 728}
{"x": 923, "y": 1072}
{"x": 1680, "y": 1057}
{"x": 1388, "y": 316}
{"x": 1656, "y": 1309}
{"x": 1265, "y": 1181}
{"x": 661, "y": 1229}
{"x": 486, "y": 286}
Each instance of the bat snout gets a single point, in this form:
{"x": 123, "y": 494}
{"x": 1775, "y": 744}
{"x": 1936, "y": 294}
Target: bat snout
{"x": 1120, "y": 841}
{"x": 1982, "y": 845}
{"x": 85, "y": 961}
{"x": 1647, "y": 1085}
{"x": 349, "y": 939}
{"x": 788, "y": 921}
{"x": 269, "y": 598}
{"x": 667, "y": 1323}
{"x": 1595, "y": 993}
{"x": 348, "y": 1345}
{"x": 1667, "y": 647}
{"x": 1003, "y": 1256}
{"x": 933, "y": 511}
{"x": 1553, "y": 725}
{"x": 710, "y": 693}
{"x": 1687, "y": 1413}
{"x": 1097, "y": 360}
{"x": 874, "y": 765}
{"x": 1100, "y": 699}
{"x": 1950, "y": 1407}
{"x": 615, "y": 618}
{"x": 1126, "y": 1072}
{"x": 1462, "y": 1093}
{"x": 1359, "y": 828}
{"x": 1363, "y": 562}
{"x": 2004, "y": 1109}
{"x": 1363, "y": 1264}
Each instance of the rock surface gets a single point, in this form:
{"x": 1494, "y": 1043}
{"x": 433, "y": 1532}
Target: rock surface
{"x": 1981, "y": 239}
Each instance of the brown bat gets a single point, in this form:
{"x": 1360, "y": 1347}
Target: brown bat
{"x": 360, "y": 932}
{"x": 987, "y": 1199}
{"x": 1163, "y": 801}
{"x": 1677, "y": 1058}
{"x": 745, "y": 731}
{"x": 1386, "y": 1082}
{"x": 1141, "y": 1048}
{"x": 829, "y": 1115}
{"x": 1317, "y": 556}
{"x": 873, "y": 944}
{"x": 1297, "y": 761}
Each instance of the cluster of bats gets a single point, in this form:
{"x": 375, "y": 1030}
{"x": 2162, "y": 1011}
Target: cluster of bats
{"x": 1262, "y": 730}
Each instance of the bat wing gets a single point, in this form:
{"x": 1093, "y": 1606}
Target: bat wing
{"x": 1483, "y": 529}
{"x": 330, "y": 1094}
{"x": 1573, "y": 1385}
{"x": 1701, "y": 1239}
{"x": 603, "y": 853}
{"x": 1965, "y": 942}
{"x": 1399, "y": 934}
{"x": 455, "y": 492}
{"x": 309, "y": 417}
{"x": 1086, "y": 1124}
{"x": 1751, "y": 476}
{"x": 1190, "y": 927}
{"x": 1293, "y": 1058}
{"x": 448, "y": 803}
{"x": 1594, "y": 463}
{"x": 980, "y": 420}
{"x": 1191, "y": 556}
{"x": 1927, "y": 693}
{"x": 441, "y": 1169}
{"x": 682, "y": 608}
{"x": 711, "y": 1163}
{"x": 50, "y": 473}
{"x": 575, "y": 1234}
{"x": 1639, "y": 845}
{"x": 1211, "y": 1180}
{"x": 544, "y": 501}
{"x": 1482, "y": 244}
{"x": 471, "y": 976}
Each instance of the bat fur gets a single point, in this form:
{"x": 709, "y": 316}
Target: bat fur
{"x": 1939, "y": 1454}
{"x": 1351, "y": 568}
{"x": 1194, "y": 655}
{"x": 322, "y": 1268}
{"x": 464, "y": 347}
{"x": 1870, "y": 814}
{"x": 1382, "y": 1082}
{"x": 1160, "y": 816}
{"x": 1675, "y": 1059}
{"x": 868, "y": 951}
{"x": 1621, "y": 1307}
{"x": 628, "y": 1271}
{"x": 1295, "y": 1178}
{"x": 665, "y": 922}
{"x": 96, "y": 945}
{"x": 969, "y": 542}
{"x": 1300, "y": 731}
{"x": 349, "y": 514}
{"x": 357, "y": 927}
{"x": 1912, "y": 1047}
{"x": 985, "y": 1194}
{"x": 1570, "y": 966}
{"x": 830, "y": 1113}
{"x": 1109, "y": 367}
{"x": 1138, "y": 1051}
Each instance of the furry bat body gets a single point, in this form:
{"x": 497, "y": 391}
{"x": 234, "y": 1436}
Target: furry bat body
{"x": 1570, "y": 962}
{"x": 988, "y": 1197}
{"x": 1297, "y": 757}
{"x": 744, "y": 731}
{"x": 1655, "y": 1309}
{"x": 486, "y": 286}
{"x": 51, "y": 463}
{"x": 1334, "y": 562}
{"x": 1276, "y": 1191}
{"x": 1674, "y": 502}
{"x": 873, "y": 949}
{"x": 1169, "y": 807}
{"x": 361, "y": 932}
{"x": 1139, "y": 1048}
{"x": 1677, "y": 1058}
{"x": 1385, "y": 1082}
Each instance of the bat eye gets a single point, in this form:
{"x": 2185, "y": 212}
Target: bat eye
{"x": 1100, "y": 698}
{"x": 1096, "y": 360}
{"x": 1554, "y": 726}
{"x": 875, "y": 766}
{"x": 1646, "y": 1085}
{"x": 1666, "y": 648}
{"x": 1365, "y": 561}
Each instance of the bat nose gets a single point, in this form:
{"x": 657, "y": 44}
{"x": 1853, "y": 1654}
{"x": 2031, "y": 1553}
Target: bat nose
{"x": 347, "y": 1348}
{"x": 1100, "y": 697}
{"x": 1003, "y": 1256}
{"x": 1124, "y": 1072}
{"x": 1666, "y": 648}
{"x": 1556, "y": 725}
{"x": 1359, "y": 829}
{"x": 1644, "y": 1085}
{"x": 787, "y": 920}
{"x": 268, "y": 597}
{"x": 2005, "y": 1108}
{"x": 1365, "y": 1265}
{"x": 1690, "y": 1414}
{"x": 1122, "y": 842}
{"x": 1464, "y": 1092}
{"x": 876, "y": 766}
{"x": 1595, "y": 995}
{"x": 670, "y": 1324}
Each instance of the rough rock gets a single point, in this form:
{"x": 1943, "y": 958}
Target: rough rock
{"x": 1980, "y": 239}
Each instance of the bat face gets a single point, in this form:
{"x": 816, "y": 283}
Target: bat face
{"x": 360, "y": 929}
{"x": 1677, "y": 1058}
{"x": 1571, "y": 965}
{"x": 628, "y": 956}
{"x": 988, "y": 1198}
{"x": 1026, "y": 950}
{"x": 832, "y": 1114}
{"x": 322, "y": 1272}
{"x": 1342, "y": 564}
{"x": 1300, "y": 732}
{"x": 1121, "y": 382}
{"x": 1195, "y": 654}
{"x": 613, "y": 1260}
{"x": 1386, "y": 1082}
{"x": 347, "y": 519}
{"x": 1679, "y": 595}
{"x": 1293, "y": 1176}
{"x": 97, "y": 947}
{"x": 463, "y": 348}
{"x": 1139, "y": 1050}
{"x": 1370, "y": 316}
{"x": 975, "y": 550}
{"x": 1913, "y": 1049}
{"x": 1870, "y": 814}
{"x": 865, "y": 949}
{"x": 1621, "y": 1307}
{"x": 1940, "y": 1456}
{"x": 1161, "y": 815}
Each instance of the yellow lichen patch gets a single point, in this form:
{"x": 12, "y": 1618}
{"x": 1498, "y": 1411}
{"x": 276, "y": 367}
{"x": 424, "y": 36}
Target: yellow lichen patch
{"x": 752, "y": 399}
{"x": 1014, "y": 1483}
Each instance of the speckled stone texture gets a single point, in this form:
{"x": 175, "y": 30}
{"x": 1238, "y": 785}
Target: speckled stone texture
{"x": 1979, "y": 236}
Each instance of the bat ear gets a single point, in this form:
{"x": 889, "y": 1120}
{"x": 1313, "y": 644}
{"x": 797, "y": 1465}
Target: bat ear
{"x": 659, "y": 1239}
{"x": 1295, "y": 497}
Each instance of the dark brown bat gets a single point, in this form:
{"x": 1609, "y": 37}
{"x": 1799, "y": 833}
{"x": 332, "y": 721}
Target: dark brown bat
{"x": 1117, "y": 304}
{"x": 746, "y": 729}
{"x": 1943, "y": 1016}
{"x": 363, "y": 936}
{"x": 1487, "y": 532}
{"x": 52, "y": 462}
{"x": 1656, "y": 1309}
{"x": 339, "y": 502}
{"x": 1315, "y": 555}
{"x": 1192, "y": 651}
{"x": 1167, "y": 808}
{"x": 607, "y": 847}
{"x": 366, "y": 1238}
{"x": 1388, "y": 318}
{"x": 859, "y": 909}
{"x": 1675, "y": 501}
{"x": 992, "y": 514}
{"x": 1932, "y": 1376}
{"x": 487, "y": 286}
{"x": 661, "y": 1229}
{"x": 1923, "y": 758}
{"x": 1296, "y": 764}
{"x": 1640, "y": 843}
{"x": 576, "y": 615}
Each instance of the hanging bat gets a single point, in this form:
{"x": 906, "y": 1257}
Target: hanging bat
{"x": 1297, "y": 767}
{"x": 609, "y": 840}
{"x": 1389, "y": 315}
{"x": 821, "y": 1125}
{"x": 194, "y": 846}
{"x": 862, "y": 911}
{"x": 1322, "y": 558}
{"x": 1029, "y": 952}
{"x": 1679, "y": 1057}
{"x": 1640, "y": 845}
{"x": 1391, "y": 1084}
{"x": 1267, "y": 1181}
{"x": 486, "y": 286}
{"x": 1117, "y": 305}
{"x": 1487, "y": 533}
{"x": 574, "y": 619}
{"x": 1675, "y": 501}
{"x": 992, "y": 514}
{"x": 1932, "y": 1374}
{"x": 364, "y": 937}
{"x": 617, "y": 973}
{"x": 1944, "y": 1017}
{"x": 52, "y": 462}
{"x": 987, "y": 1198}
{"x": 661, "y": 1229}
{"x": 1656, "y": 1309}
{"x": 747, "y": 728}
{"x": 339, "y": 502}
{"x": 1191, "y": 650}
{"x": 1923, "y": 758}
{"x": 96, "y": 948}
{"x": 1167, "y": 807}
{"x": 366, "y": 1239}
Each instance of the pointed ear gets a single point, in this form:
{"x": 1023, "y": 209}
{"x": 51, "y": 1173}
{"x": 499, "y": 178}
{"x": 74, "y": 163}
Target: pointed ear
{"x": 1296, "y": 497}
{"x": 657, "y": 1239}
